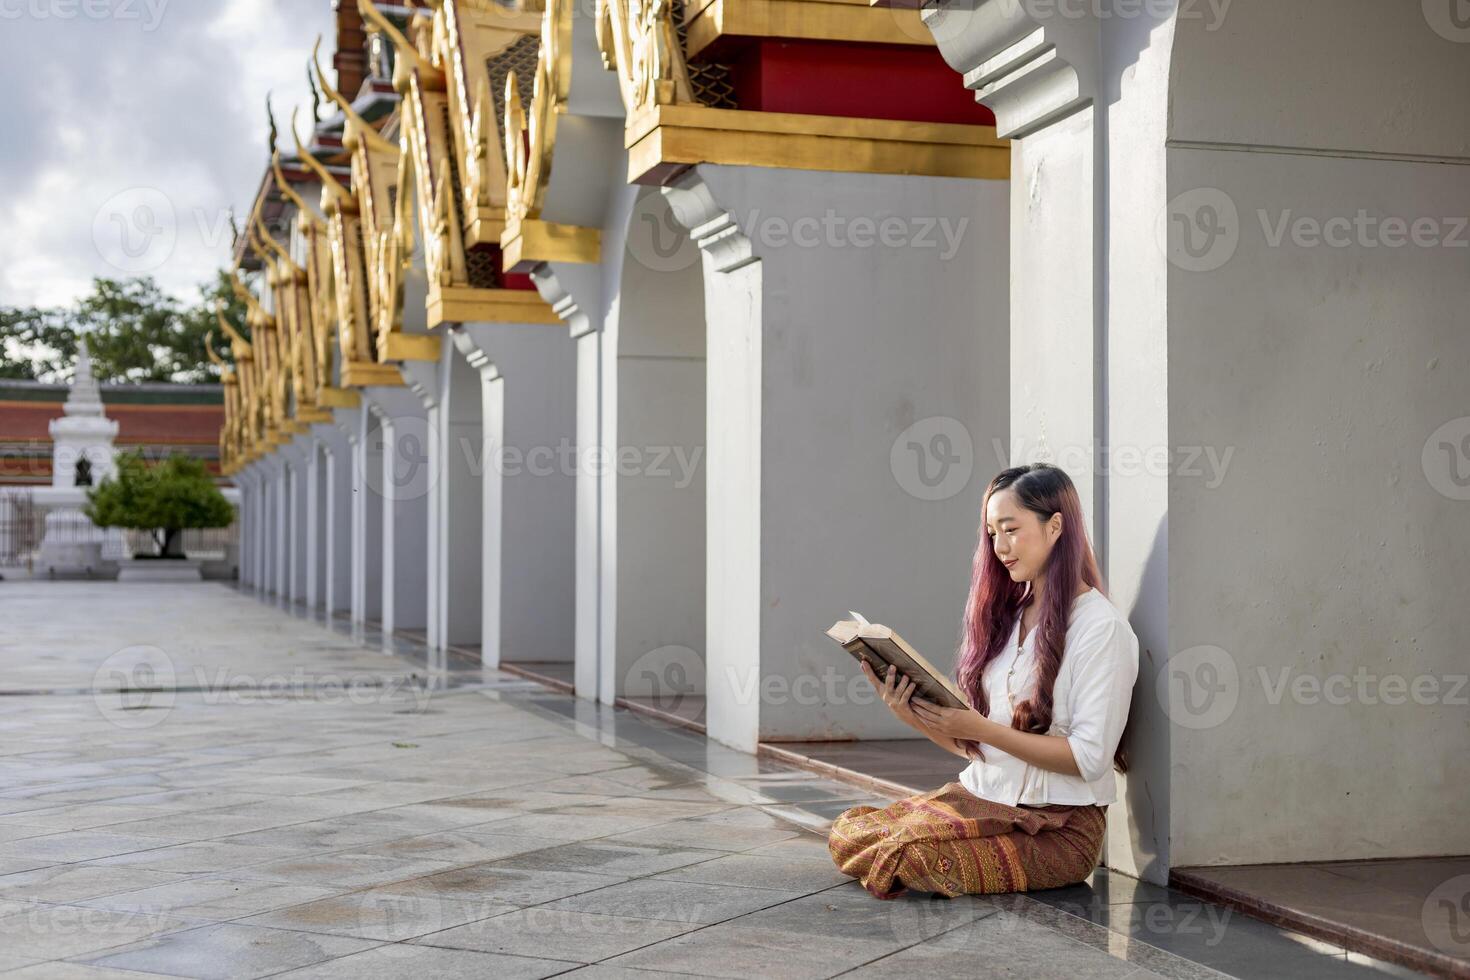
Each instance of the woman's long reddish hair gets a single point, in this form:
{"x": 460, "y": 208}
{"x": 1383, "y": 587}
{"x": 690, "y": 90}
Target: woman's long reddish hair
{"x": 996, "y": 601}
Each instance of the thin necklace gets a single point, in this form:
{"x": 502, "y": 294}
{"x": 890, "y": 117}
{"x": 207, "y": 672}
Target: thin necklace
{"x": 1015, "y": 662}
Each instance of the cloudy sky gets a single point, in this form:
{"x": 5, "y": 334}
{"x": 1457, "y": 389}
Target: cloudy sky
{"x": 130, "y": 130}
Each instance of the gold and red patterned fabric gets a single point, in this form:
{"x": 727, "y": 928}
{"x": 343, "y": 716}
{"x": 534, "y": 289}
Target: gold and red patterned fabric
{"x": 951, "y": 842}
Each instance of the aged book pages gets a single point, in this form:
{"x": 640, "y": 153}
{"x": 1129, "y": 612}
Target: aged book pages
{"x": 881, "y": 646}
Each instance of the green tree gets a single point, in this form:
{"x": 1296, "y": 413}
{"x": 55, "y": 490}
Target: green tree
{"x": 136, "y": 332}
{"x": 163, "y": 500}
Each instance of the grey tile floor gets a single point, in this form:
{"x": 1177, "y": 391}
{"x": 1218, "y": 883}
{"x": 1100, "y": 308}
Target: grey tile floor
{"x": 194, "y": 783}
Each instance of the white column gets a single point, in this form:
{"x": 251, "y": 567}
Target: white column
{"x": 456, "y": 503}
{"x": 336, "y": 468}
{"x": 576, "y": 293}
{"x": 449, "y": 392}
{"x": 366, "y": 515}
{"x": 1079, "y": 387}
{"x": 280, "y": 528}
{"x": 852, "y": 419}
{"x": 261, "y": 535}
{"x": 314, "y": 526}
{"x": 403, "y": 484}
{"x": 297, "y": 456}
{"x": 264, "y": 509}
{"x": 244, "y": 479}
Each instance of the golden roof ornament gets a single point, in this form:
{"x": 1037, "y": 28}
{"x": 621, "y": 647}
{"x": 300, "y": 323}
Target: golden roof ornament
{"x": 335, "y": 197}
{"x": 355, "y": 128}
{"x": 530, "y": 139}
{"x": 289, "y": 193}
{"x": 638, "y": 40}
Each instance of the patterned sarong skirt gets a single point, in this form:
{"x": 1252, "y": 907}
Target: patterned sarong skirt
{"x": 951, "y": 842}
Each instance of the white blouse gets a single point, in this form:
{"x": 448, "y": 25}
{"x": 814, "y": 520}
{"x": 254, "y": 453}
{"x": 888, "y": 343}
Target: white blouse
{"x": 1090, "y": 707}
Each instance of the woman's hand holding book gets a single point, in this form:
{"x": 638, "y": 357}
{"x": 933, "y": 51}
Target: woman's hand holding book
{"x": 897, "y": 692}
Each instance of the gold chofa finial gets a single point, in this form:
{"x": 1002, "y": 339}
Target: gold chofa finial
{"x": 330, "y": 185}
{"x": 289, "y": 192}
{"x": 240, "y": 345}
{"x": 406, "y": 50}
{"x": 355, "y": 123}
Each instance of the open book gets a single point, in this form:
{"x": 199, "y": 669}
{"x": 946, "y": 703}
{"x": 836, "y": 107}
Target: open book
{"x": 881, "y": 646}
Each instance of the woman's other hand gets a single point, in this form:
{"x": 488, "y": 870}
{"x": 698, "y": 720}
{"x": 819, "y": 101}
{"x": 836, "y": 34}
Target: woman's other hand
{"x": 961, "y": 724}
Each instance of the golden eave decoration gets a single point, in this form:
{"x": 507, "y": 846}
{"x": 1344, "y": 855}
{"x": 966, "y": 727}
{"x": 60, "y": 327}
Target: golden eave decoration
{"x": 321, "y": 300}
{"x": 357, "y": 360}
{"x": 530, "y": 143}
{"x": 668, "y": 129}
{"x": 385, "y": 224}
{"x": 638, "y": 40}
{"x": 451, "y": 154}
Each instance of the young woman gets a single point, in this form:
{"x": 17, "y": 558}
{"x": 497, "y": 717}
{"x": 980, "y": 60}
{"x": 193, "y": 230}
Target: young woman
{"x": 1047, "y": 664}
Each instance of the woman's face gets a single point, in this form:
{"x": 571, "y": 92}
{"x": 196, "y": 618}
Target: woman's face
{"x": 1020, "y": 539}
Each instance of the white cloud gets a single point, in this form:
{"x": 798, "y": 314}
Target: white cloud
{"x": 119, "y": 139}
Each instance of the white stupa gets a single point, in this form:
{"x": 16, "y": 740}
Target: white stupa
{"x": 83, "y": 433}
{"x": 82, "y": 456}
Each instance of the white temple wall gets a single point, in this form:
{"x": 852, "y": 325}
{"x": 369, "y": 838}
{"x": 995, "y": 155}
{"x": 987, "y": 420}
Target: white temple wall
{"x": 524, "y": 377}
{"x": 654, "y": 485}
{"x": 835, "y": 362}
{"x": 1319, "y": 334}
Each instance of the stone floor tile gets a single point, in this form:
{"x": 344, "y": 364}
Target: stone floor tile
{"x": 60, "y": 931}
{"x": 510, "y": 885}
{"x": 734, "y": 949}
{"x": 392, "y": 962}
{"x": 197, "y": 857}
{"x": 76, "y": 883}
{"x": 392, "y": 917}
{"x": 211, "y": 897}
{"x": 624, "y": 860}
{"x": 560, "y": 933}
{"x": 81, "y": 845}
{"x": 748, "y": 870}
{"x": 676, "y": 901}
{"x": 229, "y": 951}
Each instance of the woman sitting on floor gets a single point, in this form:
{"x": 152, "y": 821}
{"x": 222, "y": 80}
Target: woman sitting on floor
{"x": 1047, "y": 664}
